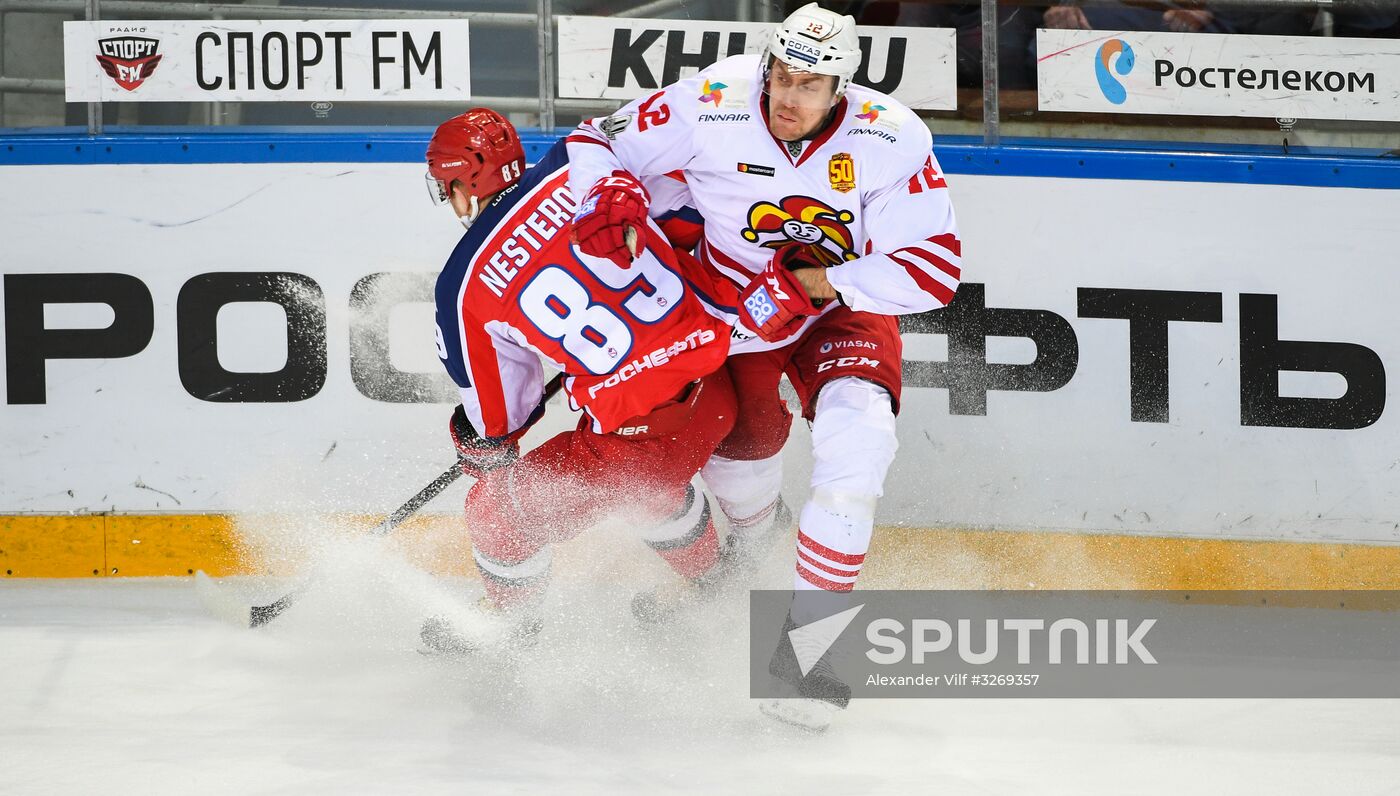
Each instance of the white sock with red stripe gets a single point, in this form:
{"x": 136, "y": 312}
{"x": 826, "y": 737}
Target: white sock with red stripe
{"x": 747, "y": 491}
{"x": 831, "y": 547}
{"x": 853, "y": 445}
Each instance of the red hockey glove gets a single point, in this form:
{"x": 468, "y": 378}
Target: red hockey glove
{"x": 478, "y": 455}
{"x": 774, "y": 305}
{"x": 612, "y": 205}
{"x": 795, "y": 257}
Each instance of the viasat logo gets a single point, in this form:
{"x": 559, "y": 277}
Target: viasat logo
{"x": 711, "y": 92}
{"x": 1110, "y": 86}
{"x": 869, "y": 112}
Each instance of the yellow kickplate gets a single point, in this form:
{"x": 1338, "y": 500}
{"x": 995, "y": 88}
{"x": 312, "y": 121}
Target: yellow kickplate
{"x": 52, "y": 547}
{"x": 285, "y": 544}
{"x": 922, "y": 558}
{"x": 146, "y": 546}
{"x": 915, "y": 558}
{"x": 438, "y": 543}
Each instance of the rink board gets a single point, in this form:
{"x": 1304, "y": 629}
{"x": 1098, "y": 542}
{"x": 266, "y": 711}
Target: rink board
{"x": 129, "y": 435}
{"x": 900, "y": 558}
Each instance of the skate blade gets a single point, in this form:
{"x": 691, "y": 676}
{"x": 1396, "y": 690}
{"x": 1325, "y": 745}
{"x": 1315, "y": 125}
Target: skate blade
{"x": 809, "y": 715}
{"x": 477, "y": 636}
{"x": 444, "y": 653}
{"x": 220, "y": 604}
{"x": 506, "y": 650}
{"x": 663, "y": 605}
{"x": 441, "y": 637}
{"x": 445, "y": 643}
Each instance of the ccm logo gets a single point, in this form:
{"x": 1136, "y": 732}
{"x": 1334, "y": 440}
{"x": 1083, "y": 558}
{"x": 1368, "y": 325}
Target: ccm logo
{"x": 628, "y": 431}
{"x": 848, "y": 362}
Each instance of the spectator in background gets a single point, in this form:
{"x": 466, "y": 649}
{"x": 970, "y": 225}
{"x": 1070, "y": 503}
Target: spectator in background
{"x": 1166, "y": 17}
{"x": 1015, "y": 38}
{"x": 1373, "y": 24}
{"x": 1278, "y": 22}
{"x": 1176, "y": 19}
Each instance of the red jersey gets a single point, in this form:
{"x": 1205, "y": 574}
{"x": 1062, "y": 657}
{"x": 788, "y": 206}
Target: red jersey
{"x": 515, "y": 295}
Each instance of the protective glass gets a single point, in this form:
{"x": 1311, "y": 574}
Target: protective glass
{"x": 796, "y": 88}
{"x": 437, "y": 189}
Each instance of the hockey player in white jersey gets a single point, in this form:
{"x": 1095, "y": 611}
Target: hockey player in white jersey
{"x": 823, "y": 204}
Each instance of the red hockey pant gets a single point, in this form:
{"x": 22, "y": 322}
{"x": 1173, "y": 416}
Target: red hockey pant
{"x": 579, "y": 477}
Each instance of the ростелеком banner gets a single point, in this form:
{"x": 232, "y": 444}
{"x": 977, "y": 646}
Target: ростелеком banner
{"x": 1200, "y": 74}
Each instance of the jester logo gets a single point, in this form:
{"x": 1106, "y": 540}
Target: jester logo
{"x": 1111, "y": 87}
{"x": 802, "y": 219}
{"x": 869, "y": 112}
{"x": 129, "y": 60}
{"x": 712, "y": 92}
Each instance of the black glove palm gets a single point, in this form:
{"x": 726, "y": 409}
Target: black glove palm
{"x": 479, "y": 455}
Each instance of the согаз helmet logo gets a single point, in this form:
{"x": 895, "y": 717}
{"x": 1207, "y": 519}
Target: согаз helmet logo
{"x": 1108, "y": 84}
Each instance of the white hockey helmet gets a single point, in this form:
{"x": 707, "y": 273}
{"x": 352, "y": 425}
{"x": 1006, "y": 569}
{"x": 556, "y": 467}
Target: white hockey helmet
{"x": 813, "y": 39}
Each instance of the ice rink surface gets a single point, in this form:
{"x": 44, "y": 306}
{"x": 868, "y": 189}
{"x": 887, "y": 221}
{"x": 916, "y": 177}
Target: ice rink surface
{"x": 128, "y": 686}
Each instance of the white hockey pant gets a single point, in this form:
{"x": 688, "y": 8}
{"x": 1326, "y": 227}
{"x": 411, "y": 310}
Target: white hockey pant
{"x": 853, "y": 445}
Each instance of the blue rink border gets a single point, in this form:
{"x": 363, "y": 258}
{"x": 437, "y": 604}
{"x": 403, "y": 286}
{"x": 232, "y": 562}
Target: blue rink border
{"x": 1341, "y": 168}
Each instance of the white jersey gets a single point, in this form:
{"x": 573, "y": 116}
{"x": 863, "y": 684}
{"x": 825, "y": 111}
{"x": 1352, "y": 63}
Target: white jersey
{"x": 867, "y": 190}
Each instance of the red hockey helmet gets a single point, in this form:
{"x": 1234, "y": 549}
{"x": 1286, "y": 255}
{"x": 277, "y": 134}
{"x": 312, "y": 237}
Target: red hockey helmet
{"x": 480, "y": 148}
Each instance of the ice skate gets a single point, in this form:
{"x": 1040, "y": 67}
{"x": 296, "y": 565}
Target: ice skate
{"x": 662, "y": 603}
{"x": 813, "y": 698}
{"x": 739, "y": 555}
{"x": 481, "y": 627}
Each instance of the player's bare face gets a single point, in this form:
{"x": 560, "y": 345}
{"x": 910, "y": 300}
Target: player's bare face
{"x": 464, "y": 204}
{"x": 461, "y": 202}
{"x": 798, "y": 102}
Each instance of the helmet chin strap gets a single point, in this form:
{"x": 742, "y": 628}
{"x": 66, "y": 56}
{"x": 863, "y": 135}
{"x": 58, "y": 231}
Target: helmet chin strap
{"x": 470, "y": 217}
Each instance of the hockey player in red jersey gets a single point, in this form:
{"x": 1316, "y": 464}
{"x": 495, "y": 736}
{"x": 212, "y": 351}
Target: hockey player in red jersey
{"x": 642, "y": 356}
{"x": 823, "y": 203}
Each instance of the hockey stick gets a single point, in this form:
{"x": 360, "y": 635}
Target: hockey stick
{"x": 259, "y": 615}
